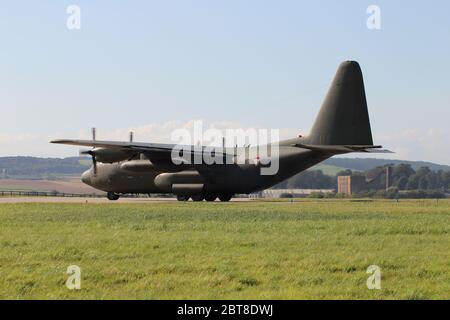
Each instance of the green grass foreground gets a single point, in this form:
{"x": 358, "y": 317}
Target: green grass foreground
{"x": 241, "y": 250}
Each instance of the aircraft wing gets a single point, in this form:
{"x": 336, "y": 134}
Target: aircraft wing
{"x": 116, "y": 144}
{"x": 154, "y": 151}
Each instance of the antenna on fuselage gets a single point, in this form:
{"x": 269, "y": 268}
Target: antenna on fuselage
{"x": 247, "y": 153}
{"x": 131, "y": 136}
{"x": 224, "y": 157}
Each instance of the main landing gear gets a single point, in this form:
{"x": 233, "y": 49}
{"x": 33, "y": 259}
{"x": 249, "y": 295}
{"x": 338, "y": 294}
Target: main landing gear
{"x": 112, "y": 196}
{"x": 182, "y": 198}
{"x": 207, "y": 197}
{"x": 225, "y": 197}
{"x": 197, "y": 197}
{"x": 210, "y": 197}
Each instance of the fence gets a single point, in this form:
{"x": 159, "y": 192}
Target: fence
{"x": 47, "y": 194}
{"x": 12, "y": 193}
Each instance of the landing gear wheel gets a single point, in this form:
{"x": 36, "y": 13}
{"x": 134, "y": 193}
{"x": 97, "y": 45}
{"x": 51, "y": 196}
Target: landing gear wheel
{"x": 210, "y": 197}
{"x": 182, "y": 198}
{"x": 112, "y": 196}
{"x": 198, "y": 197}
{"x": 225, "y": 197}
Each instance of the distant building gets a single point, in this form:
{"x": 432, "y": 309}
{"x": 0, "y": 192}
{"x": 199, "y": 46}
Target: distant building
{"x": 344, "y": 184}
{"x": 351, "y": 184}
{"x": 388, "y": 177}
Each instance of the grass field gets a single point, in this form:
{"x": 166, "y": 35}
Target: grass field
{"x": 68, "y": 184}
{"x": 248, "y": 250}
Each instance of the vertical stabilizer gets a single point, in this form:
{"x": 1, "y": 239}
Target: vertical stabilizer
{"x": 343, "y": 118}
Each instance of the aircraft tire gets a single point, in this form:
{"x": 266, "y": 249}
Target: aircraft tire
{"x": 182, "y": 198}
{"x": 112, "y": 196}
{"x": 210, "y": 197}
{"x": 225, "y": 197}
{"x": 197, "y": 197}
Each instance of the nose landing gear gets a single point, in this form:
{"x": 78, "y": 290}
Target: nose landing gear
{"x": 112, "y": 196}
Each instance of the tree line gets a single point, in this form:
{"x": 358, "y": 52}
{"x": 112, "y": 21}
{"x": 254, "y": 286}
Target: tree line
{"x": 402, "y": 177}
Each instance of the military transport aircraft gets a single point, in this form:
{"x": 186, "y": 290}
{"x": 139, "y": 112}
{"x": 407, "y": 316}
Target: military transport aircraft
{"x": 342, "y": 126}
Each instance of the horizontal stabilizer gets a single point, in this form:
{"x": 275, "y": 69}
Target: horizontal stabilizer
{"x": 342, "y": 148}
{"x": 378, "y": 151}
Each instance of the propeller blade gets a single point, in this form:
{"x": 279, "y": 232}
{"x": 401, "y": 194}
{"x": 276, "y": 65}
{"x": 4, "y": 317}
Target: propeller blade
{"x": 85, "y": 152}
{"x": 92, "y": 154}
{"x": 94, "y": 163}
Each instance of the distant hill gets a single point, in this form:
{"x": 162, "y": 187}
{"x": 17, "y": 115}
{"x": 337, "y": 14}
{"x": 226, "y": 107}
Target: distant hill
{"x": 328, "y": 169}
{"x": 41, "y": 168}
{"x": 361, "y": 164}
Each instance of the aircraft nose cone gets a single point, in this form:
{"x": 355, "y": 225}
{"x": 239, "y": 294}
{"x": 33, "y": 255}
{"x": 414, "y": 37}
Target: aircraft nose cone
{"x": 86, "y": 177}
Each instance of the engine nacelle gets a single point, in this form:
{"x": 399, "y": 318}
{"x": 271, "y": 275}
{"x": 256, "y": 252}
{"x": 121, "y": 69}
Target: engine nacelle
{"x": 181, "y": 182}
{"x": 147, "y": 166}
{"x": 188, "y": 189}
{"x": 108, "y": 155}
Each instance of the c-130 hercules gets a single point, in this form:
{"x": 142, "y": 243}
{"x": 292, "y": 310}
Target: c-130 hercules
{"x": 342, "y": 126}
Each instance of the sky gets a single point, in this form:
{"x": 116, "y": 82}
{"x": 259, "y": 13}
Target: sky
{"x": 154, "y": 66}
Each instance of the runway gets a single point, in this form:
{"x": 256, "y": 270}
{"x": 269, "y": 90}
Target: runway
{"x": 91, "y": 200}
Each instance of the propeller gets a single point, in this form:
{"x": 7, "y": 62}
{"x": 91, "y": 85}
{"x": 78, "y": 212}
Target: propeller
{"x": 91, "y": 152}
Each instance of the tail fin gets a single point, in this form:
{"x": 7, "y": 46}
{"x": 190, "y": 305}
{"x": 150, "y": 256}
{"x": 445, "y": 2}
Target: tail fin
{"x": 343, "y": 118}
